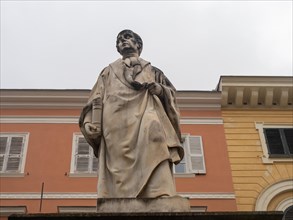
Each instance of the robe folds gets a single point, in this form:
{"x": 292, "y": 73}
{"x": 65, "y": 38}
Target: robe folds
{"x": 140, "y": 138}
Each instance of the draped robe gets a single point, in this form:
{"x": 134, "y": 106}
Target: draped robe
{"x": 140, "y": 138}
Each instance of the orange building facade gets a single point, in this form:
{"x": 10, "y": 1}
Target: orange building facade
{"x": 45, "y": 165}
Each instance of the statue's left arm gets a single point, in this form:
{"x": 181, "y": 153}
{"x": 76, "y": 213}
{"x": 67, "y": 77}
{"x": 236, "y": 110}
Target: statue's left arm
{"x": 168, "y": 100}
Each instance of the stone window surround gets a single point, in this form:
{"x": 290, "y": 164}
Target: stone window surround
{"x": 270, "y": 192}
{"x": 20, "y": 173}
{"x": 72, "y": 165}
{"x": 260, "y": 127}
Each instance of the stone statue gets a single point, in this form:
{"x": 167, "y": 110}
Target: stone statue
{"x": 132, "y": 122}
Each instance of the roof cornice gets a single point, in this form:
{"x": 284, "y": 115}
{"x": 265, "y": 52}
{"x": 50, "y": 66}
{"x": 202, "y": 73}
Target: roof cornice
{"x": 257, "y": 92}
{"x": 76, "y": 99}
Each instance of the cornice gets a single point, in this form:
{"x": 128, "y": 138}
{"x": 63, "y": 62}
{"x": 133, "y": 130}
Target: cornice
{"x": 256, "y": 92}
{"x": 76, "y": 99}
{"x": 36, "y": 119}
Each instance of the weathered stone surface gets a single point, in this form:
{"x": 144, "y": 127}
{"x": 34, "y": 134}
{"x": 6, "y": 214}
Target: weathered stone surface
{"x": 129, "y": 205}
{"x": 152, "y": 216}
{"x": 132, "y": 122}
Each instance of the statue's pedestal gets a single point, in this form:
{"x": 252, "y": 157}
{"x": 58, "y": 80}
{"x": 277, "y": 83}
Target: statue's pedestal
{"x": 132, "y": 205}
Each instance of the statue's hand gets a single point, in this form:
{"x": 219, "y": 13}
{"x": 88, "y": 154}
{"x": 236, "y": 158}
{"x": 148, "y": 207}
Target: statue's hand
{"x": 155, "y": 88}
{"x": 92, "y": 130}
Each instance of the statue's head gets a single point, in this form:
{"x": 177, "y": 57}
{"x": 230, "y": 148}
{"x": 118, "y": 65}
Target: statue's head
{"x": 133, "y": 36}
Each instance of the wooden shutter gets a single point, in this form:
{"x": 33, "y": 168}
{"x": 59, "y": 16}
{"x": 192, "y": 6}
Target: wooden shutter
{"x": 95, "y": 163}
{"x": 196, "y": 155}
{"x": 82, "y": 155}
{"x": 181, "y": 167}
{"x": 3, "y": 144}
{"x": 15, "y": 154}
{"x": 85, "y": 162}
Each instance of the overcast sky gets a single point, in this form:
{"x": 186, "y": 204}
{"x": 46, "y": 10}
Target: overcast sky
{"x": 65, "y": 44}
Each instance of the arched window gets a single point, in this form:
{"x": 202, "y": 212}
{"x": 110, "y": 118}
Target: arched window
{"x": 288, "y": 214}
{"x": 271, "y": 195}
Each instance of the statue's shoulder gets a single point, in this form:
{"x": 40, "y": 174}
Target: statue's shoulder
{"x": 116, "y": 63}
{"x": 157, "y": 71}
{"x": 108, "y": 68}
{"x": 154, "y": 69}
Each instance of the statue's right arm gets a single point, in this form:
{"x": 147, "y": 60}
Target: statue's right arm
{"x": 86, "y": 120}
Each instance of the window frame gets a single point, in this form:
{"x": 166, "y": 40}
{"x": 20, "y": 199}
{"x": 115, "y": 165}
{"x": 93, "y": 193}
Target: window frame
{"x": 20, "y": 172}
{"x": 187, "y": 156}
{"x": 284, "y": 143}
{"x": 266, "y": 157}
{"x": 77, "y": 209}
{"x": 6, "y": 211}
{"x": 73, "y": 172}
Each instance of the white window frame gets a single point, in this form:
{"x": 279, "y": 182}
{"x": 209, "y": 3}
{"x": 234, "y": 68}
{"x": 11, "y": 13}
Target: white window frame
{"x": 73, "y": 172}
{"x": 20, "y": 172}
{"x": 77, "y": 209}
{"x": 6, "y": 211}
{"x": 266, "y": 159}
{"x": 187, "y": 156}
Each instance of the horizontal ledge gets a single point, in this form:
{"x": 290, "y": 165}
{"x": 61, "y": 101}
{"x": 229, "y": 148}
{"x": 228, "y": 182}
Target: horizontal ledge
{"x": 94, "y": 195}
{"x": 74, "y": 120}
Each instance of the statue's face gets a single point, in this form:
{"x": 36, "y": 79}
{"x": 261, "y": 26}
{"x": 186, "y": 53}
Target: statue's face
{"x": 126, "y": 43}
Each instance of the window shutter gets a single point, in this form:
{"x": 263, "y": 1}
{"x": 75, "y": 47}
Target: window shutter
{"x": 197, "y": 162}
{"x": 289, "y": 139}
{"x": 95, "y": 164}
{"x": 82, "y": 163}
{"x": 82, "y": 155}
{"x": 274, "y": 141}
{"x": 15, "y": 153}
{"x": 3, "y": 144}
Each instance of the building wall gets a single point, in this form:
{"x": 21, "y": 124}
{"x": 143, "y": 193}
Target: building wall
{"x": 217, "y": 180}
{"x": 49, "y": 157}
{"x": 252, "y": 176}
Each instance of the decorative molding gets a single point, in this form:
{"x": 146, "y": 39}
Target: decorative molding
{"x": 39, "y": 119}
{"x": 92, "y": 195}
{"x": 208, "y": 195}
{"x": 81, "y": 195}
{"x": 15, "y": 174}
{"x": 283, "y": 205}
{"x": 189, "y": 121}
{"x": 74, "y": 120}
{"x": 270, "y": 192}
{"x": 76, "y": 99}
{"x": 256, "y": 92}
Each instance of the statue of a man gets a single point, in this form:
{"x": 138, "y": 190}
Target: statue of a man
{"x": 132, "y": 122}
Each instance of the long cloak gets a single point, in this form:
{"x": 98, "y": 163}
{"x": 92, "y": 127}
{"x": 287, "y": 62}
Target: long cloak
{"x": 140, "y": 134}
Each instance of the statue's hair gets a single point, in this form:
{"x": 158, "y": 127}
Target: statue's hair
{"x": 136, "y": 37}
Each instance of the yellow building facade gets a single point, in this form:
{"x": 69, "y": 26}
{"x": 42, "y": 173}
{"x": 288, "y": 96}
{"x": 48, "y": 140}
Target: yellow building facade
{"x": 258, "y": 123}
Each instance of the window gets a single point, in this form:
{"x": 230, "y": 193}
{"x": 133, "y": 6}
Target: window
{"x": 12, "y": 153}
{"x": 279, "y": 141}
{"x": 83, "y": 158}
{"x": 193, "y": 161}
{"x": 288, "y": 214}
{"x": 77, "y": 209}
{"x": 9, "y": 210}
{"x": 276, "y": 142}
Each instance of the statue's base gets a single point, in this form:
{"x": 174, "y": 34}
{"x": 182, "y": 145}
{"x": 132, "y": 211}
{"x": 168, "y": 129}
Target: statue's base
{"x": 132, "y": 205}
{"x": 152, "y": 216}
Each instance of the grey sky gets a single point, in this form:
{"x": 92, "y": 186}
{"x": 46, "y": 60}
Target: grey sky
{"x": 65, "y": 44}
